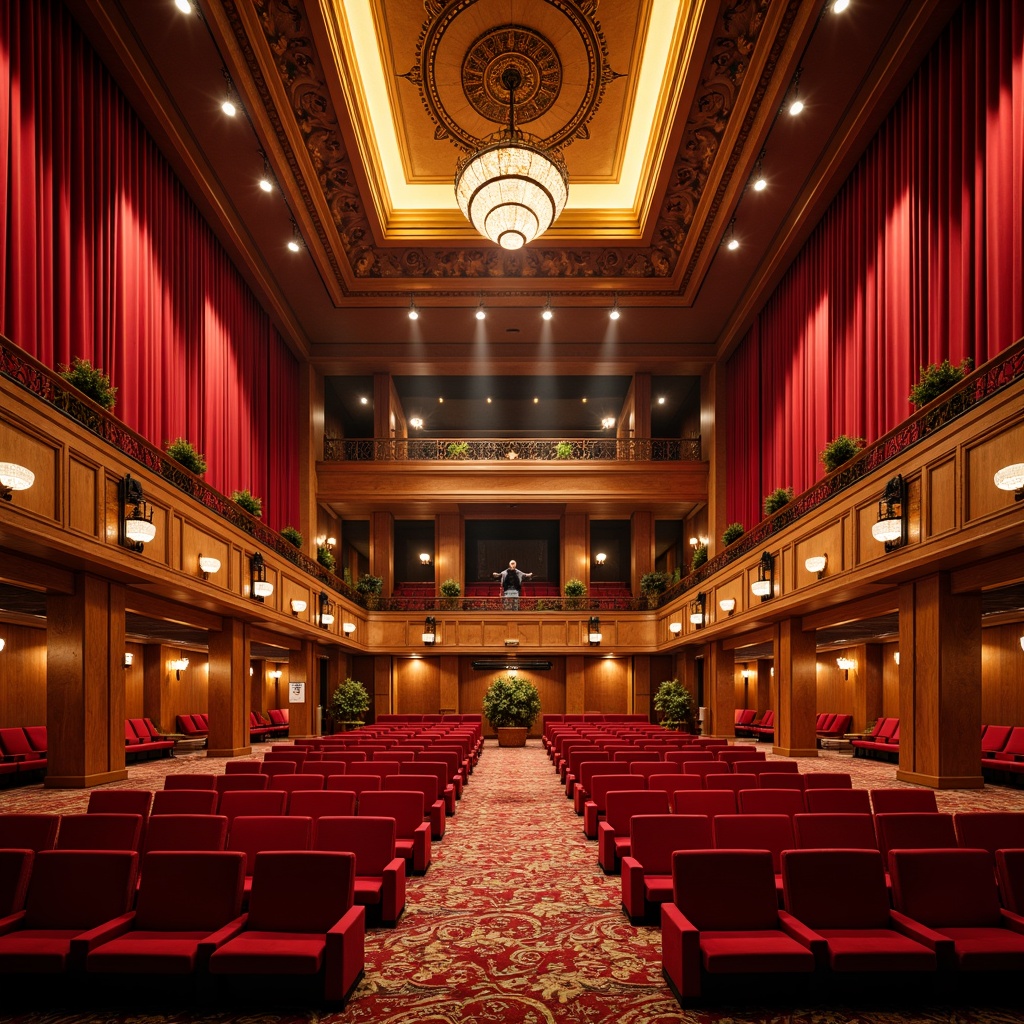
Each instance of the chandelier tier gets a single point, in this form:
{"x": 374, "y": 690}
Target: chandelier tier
{"x": 511, "y": 189}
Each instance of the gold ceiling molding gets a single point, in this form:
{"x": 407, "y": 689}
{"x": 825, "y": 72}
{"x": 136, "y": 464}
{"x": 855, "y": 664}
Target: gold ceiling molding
{"x": 363, "y": 268}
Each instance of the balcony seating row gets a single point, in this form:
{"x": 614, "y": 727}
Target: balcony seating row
{"x": 837, "y": 919}
{"x": 22, "y": 753}
{"x": 187, "y": 919}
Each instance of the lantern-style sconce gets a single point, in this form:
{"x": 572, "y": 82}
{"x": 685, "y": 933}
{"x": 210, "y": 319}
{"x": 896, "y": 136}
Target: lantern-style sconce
{"x": 259, "y": 588}
{"x": 325, "y": 611}
{"x": 137, "y": 527}
{"x": 891, "y": 527}
{"x": 594, "y": 631}
{"x": 764, "y": 586}
{"x": 698, "y": 610}
{"x": 429, "y": 631}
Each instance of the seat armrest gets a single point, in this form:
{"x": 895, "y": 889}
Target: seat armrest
{"x": 807, "y": 937}
{"x": 1015, "y": 922}
{"x": 680, "y": 951}
{"x": 633, "y": 897}
{"x": 216, "y": 939}
{"x": 942, "y": 947}
{"x": 12, "y": 922}
{"x": 392, "y": 901}
{"x": 15, "y": 757}
{"x": 88, "y": 941}
{"x": 345, "y": 954}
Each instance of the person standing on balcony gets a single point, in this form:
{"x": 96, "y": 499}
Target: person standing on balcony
{"x": 511, "y": 583}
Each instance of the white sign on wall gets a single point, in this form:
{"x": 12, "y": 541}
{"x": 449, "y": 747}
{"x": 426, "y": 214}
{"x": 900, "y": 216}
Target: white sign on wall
{"x": 296, "y": 693}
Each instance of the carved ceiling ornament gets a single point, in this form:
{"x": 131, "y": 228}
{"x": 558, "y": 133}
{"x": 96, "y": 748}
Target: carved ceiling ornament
{"x": 290, "y": 44}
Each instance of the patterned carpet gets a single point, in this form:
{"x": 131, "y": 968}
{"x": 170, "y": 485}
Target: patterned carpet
{"x": 515, "y": 922}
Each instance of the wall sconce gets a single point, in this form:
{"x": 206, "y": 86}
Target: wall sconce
{"x": 178, "y": 666}
{"x": 891, "y": 527}
{"x": 764, "y": 586}
{"x": 137, "y": 527}
{"x": 298, "y": 606}
{"x": 697, "y": 610}
{"x": 129, "y": 659}
{"x": 14, "y": 478}
{"x": 728, "y": 605}
{"x": 276, "y": 674}
{"x": 429, "y": 631}
{"x": 816, "y": 564}
{"x": 846, "y": 664}
{"x": 896, "y": 655}
{"x": 1022, "y": 643}
{"x": 1009, "y": 478}
{"x": 325, "y": 611}
{"x": 694, "y": 542}
{"x": 675, "y": 628}
{"x": 600, "y": 558}
{"x": 348, "y": 627}
{"x": 208, "y": 565}
{"x": 749, "y": 673}
{"x": 594, "y": 631}
{"x": 3, "y": 643}
{"x": 425, "y": 558}
{"x": 512, "y": 671}
{"x": 259, "y": 588}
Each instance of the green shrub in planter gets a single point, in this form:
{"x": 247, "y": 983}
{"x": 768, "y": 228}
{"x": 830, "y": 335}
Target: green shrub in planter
{"x": 732, "y": 532}
{"x": 458, "y": 450}
{"x": 839, "y": 450}
{"x": 184, "y": 452}
{"x": 251, "y": 504}
{"x": 511, "y": 702}
{"x": 348, "y": 703}
{"x": 563, "y": 450}
{"x": 91, "y": 381}
{"x": 292, "y": 535}
{"x": 936, "y": 378}
{"x": 369, "y": 585}
{"x": 450, "y": 588}
{"x": 700, "y": 556}
{"x": 325, "y": 556}
{"x": 779, "y": 497}
{"x": 674, "y": 704}
{"x": 575, "y": 591}
{"x": 654, "y": 582}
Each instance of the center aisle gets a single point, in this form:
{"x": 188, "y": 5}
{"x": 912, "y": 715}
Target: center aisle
{"x": 515, "y": 921}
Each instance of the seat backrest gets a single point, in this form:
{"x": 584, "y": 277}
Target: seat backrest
{"x": 186, "y": 726}
{"x": 622, "y": 804}
{"x": 771, "y": 801}
{"x": 37, "y": 737}
{"x": 276, "y": 904}
{"x": 120, "y": 801}
{"x": 29, "y": 831}
{"x": 580, "y": 754}
{"x": 1013, "y": 745}
{"x": 834, "y": 831}
{"x": 357, "y": 784}
{"x": 406, "y": 806}
{"x": 887, "y": 729}
{"x": 186, "y": 832}
{"x": 828, "y": 780}
{"x": 327, "y": 768}
{"x": 765, "y": 766}
{"x": 680, "y": 757}
{"x": 189, "y": 891}
{"x": 654, "y": 837}
{"x": 248, "y": 802}
{"x": 242, "y": 768}
{"x": 672, "y": 781}
{"x": 602, "y": 785}
{"x": 348, "y": 756}
{"x": 649, "y": 768}
{"x": 945, "y": 888}
{"x": 836, "y": 888}
{"x": 994, "y": 737}
{"x": 253, "y": 833}
{"x": 370, "y": 838}
{"x": 14, "y": 741}
{"x": 705, "y": 768}
{"x": 381, "y": 768}
{"x": 704, "y": 801}
{"x": 915, "y": 831}
{"x": 990, "y": 830}
{"x": 772, "y": 832}
{"x": 223, "y": 783}
{"x": 191, "y": 780}
{"x": 726, "y": 890}
{"x": 730, "y": 781}
{"x": 15, "y": 871}
{"x": 427, "y": 784}
{"x": 305, "y": 780}
{"x": 740, "y": 752}
{"x": 437, "y": 769}
{"x": 896, "y": 801}
{"x": 99, "y": 832}
{"x": 838, "y": 801}
{"x": 275, "y": 768}
{"x": 1010, "y": 871}
{"x": 57, "y": 897}
{"x": 315, "y": 804}
{"x": 781, "y": 780}
{"x": 634, "y": 754}
{"x": 589, "y": 770}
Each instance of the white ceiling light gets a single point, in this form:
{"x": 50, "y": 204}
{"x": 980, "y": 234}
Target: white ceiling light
{"x": 548, "y": 311}
{"x": 613, "y": 313}
{"x": 184, "y": 6}
{"x": 481, "y": 312}
{"x": 414, "y": 313}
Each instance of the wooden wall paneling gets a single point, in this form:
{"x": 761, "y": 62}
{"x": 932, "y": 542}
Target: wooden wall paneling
{"x": 890, "y": 686}
{"x": 302, "y": 667}
{"x": 1002, "y": 675}
{"x": 84, "y": 485}
{"x": 448, "y": 561}
{"x": 765, "y": 691}
{"x": 796, "y": 691}
{"x": 1001, "y": 446}
{"x": 573, "y": 698}
{"x": 158, "y": 703}
{"x": 835, "y": 691}
{"x": 720, "y": 689}
{"x": 741, "y": 682}
{"x": 606, "y": 686}
{"x": 643, "y": 668}
{"x": 868, "y": 694}
{"x": 134, "y": 676}
{"x": 417, "y": 686}
{"x": 383, "y": 686}
{"x": 196, "y": 541}
{"x": 23, "y": 671}
{"x": 642, "y": 543}
{"x": 827, "y": 540}
{"x": 449, "y": 684}
{"x": 575, "y": 548}
{"x": 228, "y": 690}
{"x": 26, "y": 446}
{"x": 941, "y": 498}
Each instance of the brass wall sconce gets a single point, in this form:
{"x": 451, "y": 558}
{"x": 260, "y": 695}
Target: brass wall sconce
{"x": 891, "y": 527}
{"x": 325, "y": 611}
{"x": 816, "y": 564}
{"x": 846, "y": 664}
{"x": 675, "y": 628}
{"x": 348, "y": 628}
{"x": 728, "y": 605}
{"x": 764, "y": 586}
{"x": 298, "y": 606}
{"x": 208, "y": 565}
{"x": 429, "y": 631}
{"x": 178, "y": 666}
{"x": 136, "y": 527}
{"x": 259, "y": 588}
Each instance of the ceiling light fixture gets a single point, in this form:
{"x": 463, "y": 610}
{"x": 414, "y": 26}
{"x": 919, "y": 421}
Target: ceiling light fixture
{"x": 259, "y": 588}
{"x": 184, "y": 6}
{"x": 1009, "y": 478}
{"x": 891, "y": 527}
{"x": 728, "y": 605}
{"x": 416, "y": 423}
{"x": 229, "y": 107}
{"x": 796, "y": 105}
{"x": 137, "y": 527}
{"x": 414, "y": 313}
{"x": 614, "y": 313}
{"x": 764, "y": 586}
{"x": 548, "y": 311}
{"x": 733, "y": 242}
{"x": 839, "y": 6}
{"x": 208, "y": 565}
{"x": 295, "y": 242}
{"x": 758, "y": 182}
{"x": 816, "y": 564}
{"x": 607, "y": 423}
{"x": 14, "y": 478}
{"x": 511, "y": 188}
{"x": 481, "y": 312}
{"x": 266, "y": 183}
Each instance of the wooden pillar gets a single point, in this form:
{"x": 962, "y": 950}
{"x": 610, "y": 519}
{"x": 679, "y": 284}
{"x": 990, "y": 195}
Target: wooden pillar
{"x": 156, "y": 691}
{"x": 940, "y": 685}
{"x": 303, "y": 667}
{"x": 258, "y": 686}
{"x": 640, "y": 701}
{"x": 382, "y": 542}
{"x": 575, "y": 687}
{"x": 382, "y": 690}
{"x": 720, "y": 690}
{"x": 867, "y": 691}
{"x": 686, "y": 670}
{"x": 575, "y": 553}
{"x": 449, "y": 683}
{"x": 229, "y": 690}
{"x": 796, "y": 687}
{"x": 763, "y": 687}
{"x": 642, "y": 546}
{"x": 448, "y": 562}
{"x": 85, "y": 684}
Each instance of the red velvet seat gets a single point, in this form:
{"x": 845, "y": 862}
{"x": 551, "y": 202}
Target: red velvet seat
{"x": 250, "y": 834}
{"x": 990, "y": 830}
{"x": 589, "y": 770}
{"x": 433, "y": 805}
{"x": 411, "y": 831}
{"x": 380, "y": 872}
{"x": 706, "y": 768}
{"x": 834, "y": 831}
{"x": 724, "y": 919}
{"x": 921, "y": 831}
{"x": 29, "y": 831}
{"x": 357, "y": 784}
{"x": 730, "y": 781}
{"x": 903, "y": 801}
{"x": 99, "y": 832}
{"x": 671, "y": 782}
{"x": 704, "y": 801}
{"x": 319, "y": 803}
{"x": 994, "y": 739}
{"x": 740, "y": 752}
{"x": 15, "y": 871}
{"x": 235, "y": 803}
{"x": 760, "y": 767}
{"x": 70, "y": 893}
{"x": 243, "y": 768}
{"x": 842, "y": 896}
{"x": 647, "y": 868}
{"x": 837, "y": 801}
{"x": 186, "y": 832}
{"x": 17, "y": 749}
{"x": 827, "y": 780}
{"x": 325, "y": 769}
{"x": 771, "y": 801}
{"x": 613, "y": 831}
{"x": 771, "y": 832}
{"x": 680, "y": 757}
{"x": 192, "y": 780}
{"x": 381, "y": 768}
{"x": 285, "y": 752}
{"x": 781, "y": 780}
{"x": 349, "y": 757}
{"x": 600, "y": 787}
{"x": 188, "y": 905}
{"x": 122, "y": 801}
{"x": 448, "y": 783}
{"x": 289, "y": 782}
{"x": 1010, "y": 872}
{"x": 257, "y": 780}
{"x": 184, "y": 801}
{"x": 577, "y": 757}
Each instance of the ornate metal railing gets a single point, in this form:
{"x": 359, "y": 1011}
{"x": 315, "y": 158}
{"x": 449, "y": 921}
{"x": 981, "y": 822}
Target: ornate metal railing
{"x": 27, "y": 372}
{"x": 999, "y": 373}
{"x": 599, "y": 449}
{"x": 498, "y": 604}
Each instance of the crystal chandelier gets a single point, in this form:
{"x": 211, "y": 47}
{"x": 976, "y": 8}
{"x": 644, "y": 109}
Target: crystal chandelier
{"x": 511, "y": 188}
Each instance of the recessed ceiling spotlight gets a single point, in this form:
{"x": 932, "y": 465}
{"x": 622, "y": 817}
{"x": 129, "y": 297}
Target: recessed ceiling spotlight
{"x": 548, "y": 311}
{"x": 488, "y": 399}
{"x": 184, "y": 6}
{"x": 416, "y": 423}
{"x": 733, "y": 244}
{"x": 613, "y": 313}
{"x": 661, "y": 399}
{"x": 265, "y": 184}
{"x": 796, "y": 107}
{"x": 839, "y": 6}
{"x": 229, "y": 107}
{"x": 363, "y": 400}
{"x": 760, "y": 184}
{"x": 414, "y": 313}
{"x": 481, "y": 313}
{"x": 535, "y": 399}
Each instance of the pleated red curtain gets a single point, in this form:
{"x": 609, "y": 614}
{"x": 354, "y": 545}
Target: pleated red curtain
{"x": 104, "y": 256}
{"x": 918, "y": 259}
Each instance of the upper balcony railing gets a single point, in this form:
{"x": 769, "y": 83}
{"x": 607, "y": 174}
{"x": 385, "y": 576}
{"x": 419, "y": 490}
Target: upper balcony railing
{"x": 600, "y": 449}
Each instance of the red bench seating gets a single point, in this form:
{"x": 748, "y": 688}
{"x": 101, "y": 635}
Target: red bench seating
{"x": 882, "y": 742}
{"x": 193, "y": 725}
{"x": 22, "y": 753}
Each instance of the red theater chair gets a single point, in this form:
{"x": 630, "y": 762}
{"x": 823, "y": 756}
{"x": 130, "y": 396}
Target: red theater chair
{"x": 251, "y": 834}
{"x": 914, "y": 832}
{"x": 242, "y": 768}
{"x": 266, "y": 802}
{"x": 990, "y": 830}
{"x": 903, "y": 801}
{"x": 771, "y": 801}
{"x": 771, "y": 832}
{"x": 318, "y": 803}
{"x": 186, "y": 832}
{"x": 708, "y": 802}
{"x": 99, "y": 832}
{"x": 184, "y": 801}
{"x": 28, "y": 831}
{"x": 600, "y": 787}
{"x": 1010, "y": 871}
{"x": 613, "y": 831}
{"x": 15, "y": 871}
{"x": 730, "y": 781}
{"x": 291, "y": 783}
{"x": 827, "y": 780}
{"x": 837, "y": 801}
{"x": 834, "y": 831}
{"x": 589, "y": 770}
{"x": 412, "y": 832}
{"x": 193, "y": 780}
{"x": 357, "y": 784}
{"x": 447, "y": 789}
{"x": 250, "y": 782}
{"x": 433, "y": 805}
{"x": 671, "y": 783}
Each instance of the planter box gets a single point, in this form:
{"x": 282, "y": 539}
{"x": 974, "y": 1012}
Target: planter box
{"x": 511, "y": 737}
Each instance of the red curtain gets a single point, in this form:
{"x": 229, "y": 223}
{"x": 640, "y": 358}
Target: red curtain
{"x": 918, "y": 259}
{"x": 104, "y": 256}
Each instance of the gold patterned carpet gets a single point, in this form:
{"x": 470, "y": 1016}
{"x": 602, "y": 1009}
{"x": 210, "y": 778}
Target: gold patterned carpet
{"x": 515, "y": 923}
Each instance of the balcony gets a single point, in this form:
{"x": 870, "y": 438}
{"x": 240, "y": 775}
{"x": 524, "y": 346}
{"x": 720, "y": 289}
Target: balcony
{"x": 601, "y": 449}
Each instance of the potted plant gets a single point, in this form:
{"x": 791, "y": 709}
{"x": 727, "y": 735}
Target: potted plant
{"x": 700, "y": 556}
{"x": 779, "y": 497}
{"x": 184, "y": 451}
{"x": 936, "y": 378}
{"x": 325, "y": 556}
{"x": 292, "y": 535}
{"x": 839, "y": 450}
{"x": 575, "y": 592}
{"x": 674, "y": 705}
{"x": 450, "y": 591}
{"x": 563, "y": 450}
{"x": 370, "y": 587}
{"x": 348, "y": 704}
{"x": 90, "y": 380}
{"x": 251, "y": 504}
{"x": 458, "y": 449}
{"x": 732, "y": 532}
{"x": 652, "y": 586}
{"x": 511, "y": 706}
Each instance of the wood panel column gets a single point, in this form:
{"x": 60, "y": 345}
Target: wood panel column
{"x": 156, "y": 689}
{"x": 796, "y": 690}
{"x": 763, "y": 689}
{"x": 85, "y": 684}
{"x": 940, "y": 685}
{"x": 575, "y": 548}
{"x": 303, "y": 668}
{"x": 449, "y": 683}
{"x": 642, "y": 547}
{"x": 382, "y": 691}
{"x": 720, "y": 690}
{"x": 575, "y": 685}
{"x": 867, "y": 690}
{"x": 229, "y": 690}
{"x": 448, "y": 562}
{"x": 382, "y": 545}
{"x": 686, "y": 672}
{"x": 640, "y": 699}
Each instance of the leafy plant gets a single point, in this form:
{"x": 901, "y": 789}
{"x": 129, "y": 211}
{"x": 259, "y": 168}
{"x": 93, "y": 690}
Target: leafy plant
{"x": 654, "y": 582}
{"x": 563, "y": 450}
{"x": 839, "y": 450}
{"x": 292, "y": 535}
{"x": 251, "y": 504}
{"x": 367, "y": 584}
{"x": 936, "y": 378}
{"x": 349, "y": 702}
{"x": 511, "y": 702}
{"x": 575, "y": 592}
{"x": 325, "y": 556}
{"x": 450, "y": 587}
{"x": 184, "y": 452}
{"x": 458, "y": 450}
{"x": 675, "y": 704}
{"x": 91, "y": 381}
{"x": 700, "y": 556}
{"x": 779, "y": 497}
{"x": 732, "y": 532}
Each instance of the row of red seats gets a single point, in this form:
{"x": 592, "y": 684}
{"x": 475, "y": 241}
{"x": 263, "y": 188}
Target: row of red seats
{"x": 1002, "y": 752}
{"x": 22, "y": 753}
{"x": 883, "y": 740}
{"x": 141, "y": 736}
{"x": 86, "y": 914}
{"x": 762, "y": 728}
{"x": 724, "y": 918}
{"x": 194, "y": 725}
